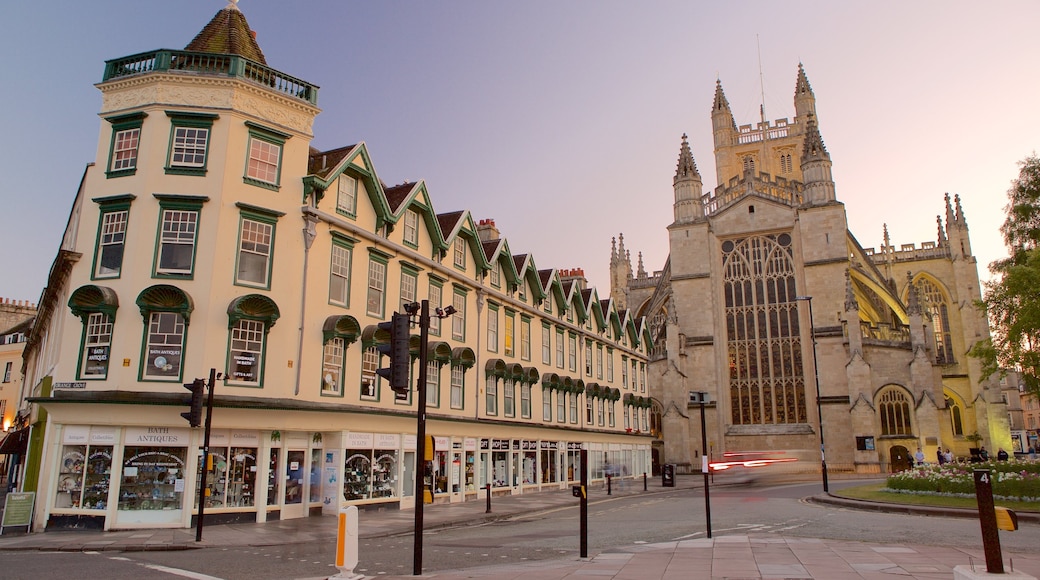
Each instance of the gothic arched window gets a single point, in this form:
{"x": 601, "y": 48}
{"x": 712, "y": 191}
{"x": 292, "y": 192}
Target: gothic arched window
{"x": 766, "y": 379}
{"x": 934, "y": 300}
{"x": 956, "y": 416}
{"x": 894, "y": 408}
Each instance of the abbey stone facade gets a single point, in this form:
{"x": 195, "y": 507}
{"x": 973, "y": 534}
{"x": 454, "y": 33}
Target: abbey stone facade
{"x": 751, "y": 260}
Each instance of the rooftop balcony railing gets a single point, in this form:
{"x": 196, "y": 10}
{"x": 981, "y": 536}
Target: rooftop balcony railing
{"x": 204, "y": 63}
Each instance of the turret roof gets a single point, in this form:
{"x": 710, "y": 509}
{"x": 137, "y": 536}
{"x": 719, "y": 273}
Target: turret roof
{"x": 687, "y": 167}
{"x": 228, "y": 33}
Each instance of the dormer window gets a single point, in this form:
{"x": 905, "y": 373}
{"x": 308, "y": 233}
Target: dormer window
{"x": 460, "y": 253}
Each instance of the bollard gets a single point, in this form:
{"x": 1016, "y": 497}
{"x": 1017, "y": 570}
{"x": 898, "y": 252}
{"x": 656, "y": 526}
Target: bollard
{"x": 487, "y": 489}
{"x": 644, "y": 481}
{"x": 608, "y": 485}
{"x": 347, "y": 544}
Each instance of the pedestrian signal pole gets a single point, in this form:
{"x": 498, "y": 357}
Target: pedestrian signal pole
{"x": 420, "y": 434}
{"x": 203, "y": 487}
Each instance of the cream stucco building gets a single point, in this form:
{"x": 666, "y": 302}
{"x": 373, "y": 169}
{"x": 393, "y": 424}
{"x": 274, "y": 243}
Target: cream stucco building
{"x": 209, "y": 234}
{"x": 764, "y": 261}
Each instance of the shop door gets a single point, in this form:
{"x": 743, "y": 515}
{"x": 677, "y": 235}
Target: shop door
{"x": 293, "y": 504}
{"x": 899, "y": 458}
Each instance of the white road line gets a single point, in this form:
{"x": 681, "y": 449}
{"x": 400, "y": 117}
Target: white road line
{"x": 178, "y": 572}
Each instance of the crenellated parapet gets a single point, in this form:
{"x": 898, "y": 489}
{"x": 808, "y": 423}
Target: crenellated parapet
{"x": 908, "y": 252}
{"x": 778, "y": 189}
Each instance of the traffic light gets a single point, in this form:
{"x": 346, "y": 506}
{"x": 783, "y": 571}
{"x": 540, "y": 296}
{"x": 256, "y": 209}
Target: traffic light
{"x": 397, "y": 349}
{"x": 198, "y": 391}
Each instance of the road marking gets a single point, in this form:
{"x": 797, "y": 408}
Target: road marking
{"x": 179, "y": 572}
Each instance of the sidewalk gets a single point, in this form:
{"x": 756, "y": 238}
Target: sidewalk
{"x": 729, "y": 556}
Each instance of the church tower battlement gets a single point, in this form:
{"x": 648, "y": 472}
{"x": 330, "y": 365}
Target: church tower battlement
{"x": 763, "y": 147}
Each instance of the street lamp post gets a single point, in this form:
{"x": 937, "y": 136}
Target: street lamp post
{"x": 819, "y": 408}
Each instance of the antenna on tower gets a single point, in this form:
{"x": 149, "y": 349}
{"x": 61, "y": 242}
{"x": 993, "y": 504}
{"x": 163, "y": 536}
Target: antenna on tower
{"x": 761, "y": 81}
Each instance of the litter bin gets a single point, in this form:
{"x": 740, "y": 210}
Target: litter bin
{"x": 668, "y": 475}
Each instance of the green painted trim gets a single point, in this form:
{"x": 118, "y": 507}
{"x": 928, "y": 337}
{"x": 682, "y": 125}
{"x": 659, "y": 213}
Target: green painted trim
{"x": 340, "y": 393}
{"x": 111, "y": 201}
{"x": 379, "y": 255}
{"x": 375, "y": 257}
{"x": 263, "y": 218}
{"x": 141, "y": 377}
{"x": 347, "y": 244}
{"x": 112, "y": 204}
{"x": 271, "y": 133}
{"x": 261, "y": 213}
{"x": 190, "y": 120}
{"x": 124, "y": 123}
{"x": 203, "y": 119}
{"x": 344, "y": 239}
{"x": 262, "y": 363}
{"x": 169, "y": 202}
{"x": 272, "y": 137}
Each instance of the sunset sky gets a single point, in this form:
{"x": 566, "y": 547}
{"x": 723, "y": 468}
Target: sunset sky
{"x": 562, "y": 120}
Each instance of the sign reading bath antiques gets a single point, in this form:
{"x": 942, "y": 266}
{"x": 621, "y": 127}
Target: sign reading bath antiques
{"x": 160, "y": 436}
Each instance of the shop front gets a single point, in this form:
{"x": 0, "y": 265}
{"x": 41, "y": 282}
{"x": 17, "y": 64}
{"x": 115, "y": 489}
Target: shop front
{"x": 152, "y": 477}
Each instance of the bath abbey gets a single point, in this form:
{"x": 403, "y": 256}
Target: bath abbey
{"x": 769, "y": 306}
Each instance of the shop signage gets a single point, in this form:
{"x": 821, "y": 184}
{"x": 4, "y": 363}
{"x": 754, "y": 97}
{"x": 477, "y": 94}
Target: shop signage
{"x": 470, "y": 444}
{"x": 485, "y": 444}
{"x": 164, "y": 361}
{"x": 550, "y": 444}
{"x": 97, "y": 361}
{"x": 442, "y": 443}
{"x": 516, "y": 444}
{"x": 75, "y": 434}
{"x": 160, "y": 436}
{"x": 359, "y": 440}
{"x": 244, "y": 367}
{"x": 245, "y": 438}
{"x": 18, "y": 509}
{"x": 387, "y": 441}
{"x": 76, "y": 385}
{"x": 529, "y": 445}
{"x": 409, "y": 442}
{"x": 500, "y": 444}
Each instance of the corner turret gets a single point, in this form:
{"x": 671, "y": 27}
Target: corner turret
{"x": 688, "y": 187}
{"x": 804, "y": 99}
{"x": 725, "y": 130}
{"x": 816, "y": 167}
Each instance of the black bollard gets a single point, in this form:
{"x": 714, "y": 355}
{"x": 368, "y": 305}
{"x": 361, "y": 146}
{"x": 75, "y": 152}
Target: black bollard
{"x": 608, "y": 485}
{"x": 644, "y": 481}
{"x": 487, "y": 488}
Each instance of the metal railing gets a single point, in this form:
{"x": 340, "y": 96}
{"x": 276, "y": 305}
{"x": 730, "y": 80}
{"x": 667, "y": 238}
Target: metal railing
{"x": 204, "y": 63}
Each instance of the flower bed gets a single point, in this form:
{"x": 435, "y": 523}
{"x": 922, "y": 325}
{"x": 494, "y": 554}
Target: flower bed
{"x": 1014, "y": 480}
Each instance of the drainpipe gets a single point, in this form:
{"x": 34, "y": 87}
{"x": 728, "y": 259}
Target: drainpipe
{"x": 309, "y": 233}
{"x": 481, "y": 294}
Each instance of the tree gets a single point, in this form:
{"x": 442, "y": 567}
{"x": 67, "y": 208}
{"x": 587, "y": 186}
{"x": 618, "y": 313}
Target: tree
{"x": 1012, "y": 300}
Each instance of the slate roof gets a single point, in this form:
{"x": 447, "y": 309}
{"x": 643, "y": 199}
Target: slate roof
{"x": 228, "y": 33}
{"x": 396, "y": 195}
{"x": 323, "y": 162}
{"x": 448, "y": 221}
{"x": 489, "y": 248}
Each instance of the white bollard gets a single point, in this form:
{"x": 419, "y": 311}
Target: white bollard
{"x": 347, "y": 544}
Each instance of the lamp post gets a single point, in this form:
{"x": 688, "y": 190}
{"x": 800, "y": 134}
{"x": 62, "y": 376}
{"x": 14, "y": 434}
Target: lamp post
{"x": 819, "y": 408}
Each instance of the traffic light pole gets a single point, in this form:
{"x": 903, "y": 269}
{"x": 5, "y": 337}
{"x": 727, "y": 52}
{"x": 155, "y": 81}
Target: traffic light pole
{"x": 205, "y": 455}
{"x": 420, "y": 437}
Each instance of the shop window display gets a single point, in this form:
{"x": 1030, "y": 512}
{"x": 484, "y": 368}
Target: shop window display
{"x": 84, "y": 477}
{"x": 357, "y": 474}
{"x": 440, "y": 472}
{"x": 153, "y": 478}
{"x": 530, "y": 463}
{"x": 384, "y": 474}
